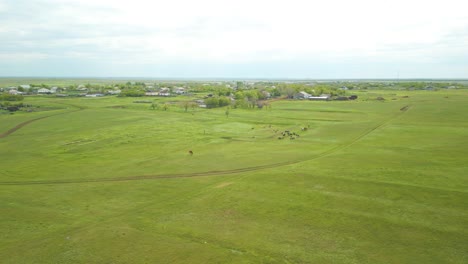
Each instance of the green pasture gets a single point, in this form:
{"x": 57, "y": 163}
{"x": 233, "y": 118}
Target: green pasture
{"x": 108, "y": 180}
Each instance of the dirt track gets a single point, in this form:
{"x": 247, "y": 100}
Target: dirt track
{"x": 208, "y": 173}
{"x": 19, "y": 126}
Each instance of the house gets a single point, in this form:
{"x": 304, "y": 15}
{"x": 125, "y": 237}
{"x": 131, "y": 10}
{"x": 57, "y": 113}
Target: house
{"x": 180, "y": 90}
{"x": 266, "y": 94}
{"x": 81, "y": 87}
{"x": 43, "y": 91}
{"x": 302, "y": 95}
{"x": 14, "y": 92}
{"x": 322, "y": 97}
{"x": 94, "y": 95}
{"x": 162, "y": 92}
{"x": 113, "y": 92}
{"x": 25, "y": 86}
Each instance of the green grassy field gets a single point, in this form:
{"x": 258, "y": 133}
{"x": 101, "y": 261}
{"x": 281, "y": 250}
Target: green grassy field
{"x": 106, "y": 180}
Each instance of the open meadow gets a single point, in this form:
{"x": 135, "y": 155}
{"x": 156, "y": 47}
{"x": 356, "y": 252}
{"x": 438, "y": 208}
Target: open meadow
{"x": 107, "y": 180}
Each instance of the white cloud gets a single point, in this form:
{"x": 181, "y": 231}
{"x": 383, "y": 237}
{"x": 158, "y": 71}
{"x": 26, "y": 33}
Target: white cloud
{"x": 243, "y": 31}
{"x": 22, "y": 56}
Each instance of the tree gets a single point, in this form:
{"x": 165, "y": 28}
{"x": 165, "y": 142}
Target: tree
{"x": 132, "y": 93}
{"x": 11, "y": 97}
{"x": 251, "y": 98}
{"x": 239, "y": 95}
{"x": 223, "y": 101}
{"x": 275, "y": 92}
{"x": 212, "y": 102}
{"x": 187, "y": 104}
{"x": 240, "y": 103}
{"x": 290, "y": 92}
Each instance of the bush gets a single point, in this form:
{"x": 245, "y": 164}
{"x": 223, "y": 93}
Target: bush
{"x": 12, "y": 107}
{"x": 217, "y": 102}
{"x": 132, "y": 93}
{"x": 212, "y": 102}
{"x": 224, "y": 101}
{"x": 11, "y": 97}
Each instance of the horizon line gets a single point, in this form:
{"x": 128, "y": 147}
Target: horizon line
{"x": 233, "y": 78}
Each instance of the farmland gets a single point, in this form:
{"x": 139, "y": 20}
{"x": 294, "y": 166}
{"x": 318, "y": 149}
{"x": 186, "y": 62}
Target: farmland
{"x": 108, "y": 180}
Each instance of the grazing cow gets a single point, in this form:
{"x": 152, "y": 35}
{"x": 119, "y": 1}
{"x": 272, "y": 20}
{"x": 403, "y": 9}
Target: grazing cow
{"x": 190, "y": 152}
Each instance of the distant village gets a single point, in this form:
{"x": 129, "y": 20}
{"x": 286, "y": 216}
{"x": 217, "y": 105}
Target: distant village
{"x": 137, "y": 89}
{"x": 222, "y": 93}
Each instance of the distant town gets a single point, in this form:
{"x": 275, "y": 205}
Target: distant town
{"x": 312, "y": 90}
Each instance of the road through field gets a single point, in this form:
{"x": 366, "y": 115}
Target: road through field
{"x": 21, "y": 125}
{"x": 214, "y": 173}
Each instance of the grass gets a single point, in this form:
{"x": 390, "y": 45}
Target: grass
{"x": 366, "y": 183}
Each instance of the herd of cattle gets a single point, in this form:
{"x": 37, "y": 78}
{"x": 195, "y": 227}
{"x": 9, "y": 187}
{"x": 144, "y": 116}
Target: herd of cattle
{"x": 287, "y": 133}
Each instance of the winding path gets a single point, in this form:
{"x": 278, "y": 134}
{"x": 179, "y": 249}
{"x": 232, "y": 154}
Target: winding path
{"x": 209, "y": 173}
{"x": 25, "y": 123}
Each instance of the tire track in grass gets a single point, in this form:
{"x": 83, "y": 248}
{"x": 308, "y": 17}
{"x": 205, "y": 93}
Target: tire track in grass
{"x": 20, "y": 125}
{"x": 211, "y": 173}
{"x": 25, "y": 123}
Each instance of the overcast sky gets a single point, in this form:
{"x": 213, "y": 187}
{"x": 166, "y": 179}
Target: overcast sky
{"x": 234, "y": 39}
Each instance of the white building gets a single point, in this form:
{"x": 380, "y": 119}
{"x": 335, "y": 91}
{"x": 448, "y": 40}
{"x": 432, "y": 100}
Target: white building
{"x": 180, "y": 90}
{"x": 302, "y": 95}
{"x": 14, "y": 92}
{"x": 43, "y": 91}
